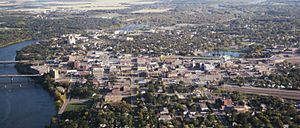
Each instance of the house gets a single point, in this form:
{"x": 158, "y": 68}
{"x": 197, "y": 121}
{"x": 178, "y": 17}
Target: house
{"x": 142, "y": 60}
{"x": 169, "y": 59}
{"x": 172, "y": 75}
{"x": 113, "y": 98}
{"x": 227, "y": 102}
{"x": 142, "y": 68}
{"x": 165, "y": 118}
{"x": 241, "y": 109}
{"x": 154, "y": 74}
{"x": 71, "y": 39}
{"x": 180, "y": 96}
{"x": 61, "y": 89}
{"x": 263, "y": 107}
{"x": 279, "y": 48}
{"x": 208, "y": 67}
{"x": 98, "y": 72}
{"x": 54, "y": 73}
{"x": 204, "y": 107}
{"x": 129, "y": 38}
{"x": 164, "y": 111}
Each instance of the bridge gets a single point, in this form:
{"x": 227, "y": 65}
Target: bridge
{"x": 22, "y": 75}
{"x": 16, "y": 81}
{"x": 21, "y": 61}
{"x": 12, "y": 62}
{"x": 16, "y": 85}
{"x": 13, "y": 81}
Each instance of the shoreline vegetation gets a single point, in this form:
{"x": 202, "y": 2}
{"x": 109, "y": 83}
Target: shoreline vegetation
{"x": 14, "y": 42}
{"x": 45, "y": 81}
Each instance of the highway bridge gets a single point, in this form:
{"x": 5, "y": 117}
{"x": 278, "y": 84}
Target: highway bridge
{"x": 286, "y": 94}
{"x": 21, "y": 61}
{"x": 17, "y": 85}
{"x": 16, "y": 81}
{"x": 21, "y": 75}
{"x": 12, "y": 62}
{"x": 10, "y": 79}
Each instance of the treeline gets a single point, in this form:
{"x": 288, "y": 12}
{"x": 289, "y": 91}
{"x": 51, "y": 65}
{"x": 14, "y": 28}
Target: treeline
{"x": 276, "y": 113}
{"x": 8, "y": 37}
{"x": 267, "y": 112}
{"x": 17, "y": 28}
{"x": 47, "y": 28}
{"x": 111, "y": 115}
{"x": 286, "y": 76}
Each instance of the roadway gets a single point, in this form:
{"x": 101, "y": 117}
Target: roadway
{"x": 64, "y": 106}
{"x": 12, "y": 62}
{"x": 286, "y": 94}
{"x": 20, "y": 75}
{"x": 35, "y": 62}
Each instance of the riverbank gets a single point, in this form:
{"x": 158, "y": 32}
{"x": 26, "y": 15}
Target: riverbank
{"x": 47, "y": 83}
{"x": 29, "y": 105}
{"x": 14, "y": 42}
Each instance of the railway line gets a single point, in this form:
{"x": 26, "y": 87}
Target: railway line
{"x": 286, "y": 94}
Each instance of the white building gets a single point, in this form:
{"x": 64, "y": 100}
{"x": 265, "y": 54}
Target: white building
{"x": 71, "y": 39}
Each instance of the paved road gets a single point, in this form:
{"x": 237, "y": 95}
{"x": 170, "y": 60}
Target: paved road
{"x": 287, "y": 94}
{"x": 64, "y": 106}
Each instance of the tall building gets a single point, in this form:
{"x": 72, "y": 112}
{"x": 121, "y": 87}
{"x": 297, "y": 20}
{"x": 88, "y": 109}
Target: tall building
{"x": 71, "y": 39}
{"x": 54, "y": 74}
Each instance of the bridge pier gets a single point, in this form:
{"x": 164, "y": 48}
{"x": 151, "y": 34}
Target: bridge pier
{"x": 4, "y": 65}
{"x": 11, "y": 79}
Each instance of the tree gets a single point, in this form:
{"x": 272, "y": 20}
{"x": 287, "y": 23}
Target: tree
{"x": 297, "y": 119}
{"x": 277, "y": 122}
{"x": 218, "y": 103}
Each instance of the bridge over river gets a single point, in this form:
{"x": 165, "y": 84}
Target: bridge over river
{"x": 23, "y": 96}
{"x": 36, "y": 62}
{"x": 13, "y": 76}
{"x": 20, "y": 75}
{"x": 13, "y": 79}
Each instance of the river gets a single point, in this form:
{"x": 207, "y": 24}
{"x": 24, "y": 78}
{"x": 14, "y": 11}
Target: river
{"x": 222, "y": 53}
{"x": 28, "y": 106}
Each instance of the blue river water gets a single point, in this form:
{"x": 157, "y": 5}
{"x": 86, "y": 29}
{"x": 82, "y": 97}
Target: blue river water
{"x": 23, "y": 104}
{"x": 222, "y": 53}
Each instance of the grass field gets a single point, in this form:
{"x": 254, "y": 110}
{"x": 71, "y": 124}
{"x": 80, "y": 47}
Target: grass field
{"x": 75, "y": 106}
{"x": 157, "y": 10}
{"x": 13, "y": 42}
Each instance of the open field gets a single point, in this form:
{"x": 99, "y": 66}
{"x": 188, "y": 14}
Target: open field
{"x": 38, "y": 6}
{"x": 7, "y": 29}
{"x": 157, "y": 10}
{"x": 75, "y": 106}
{"x": 13, "y": 42}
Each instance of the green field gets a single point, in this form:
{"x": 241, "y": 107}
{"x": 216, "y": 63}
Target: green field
{"x": 75, "y": 106}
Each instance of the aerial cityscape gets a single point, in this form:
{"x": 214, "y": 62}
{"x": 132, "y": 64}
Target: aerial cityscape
{"x": 149, "y": 63}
